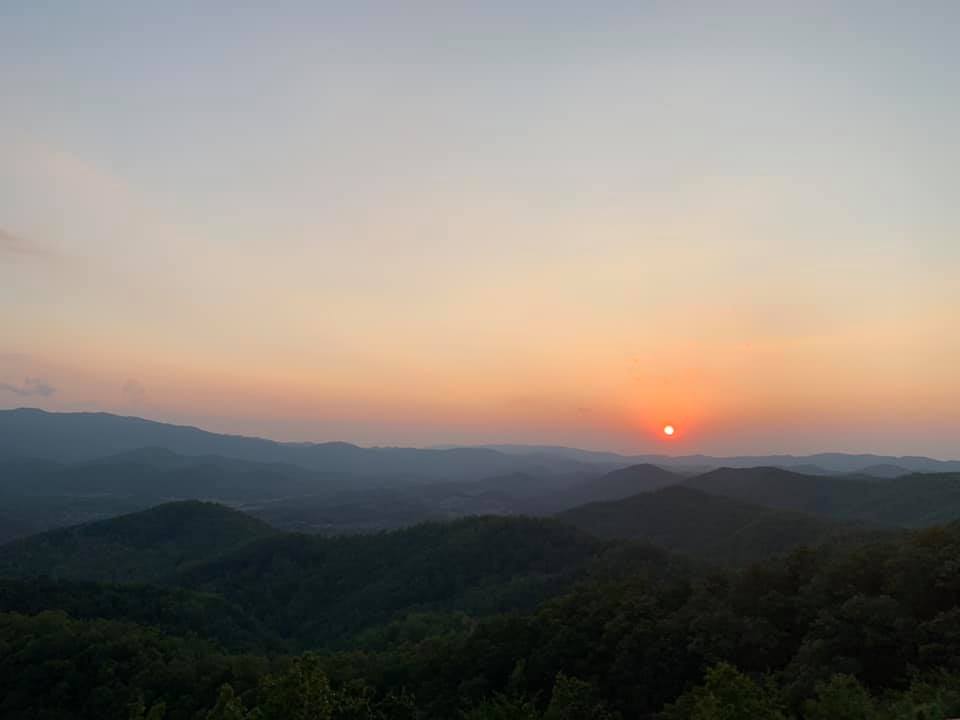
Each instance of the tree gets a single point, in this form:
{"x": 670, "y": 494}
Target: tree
{"x": 841, "y": 698}
{"x": 303, "y": 692}
{"x": 502, "y": 707}
{"x": 139, "y": 710}
{"x": 228, "y": 707}
{"x": 726, "y": 694}
{"x": 573, "y": 699}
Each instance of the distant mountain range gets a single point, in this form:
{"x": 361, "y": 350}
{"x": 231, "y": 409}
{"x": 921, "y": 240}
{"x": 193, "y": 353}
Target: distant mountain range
{"x": 61, "y": 469}
{"x": 818, "y": 463}
{"x": 77, "y": 437}
{"x": 72, "y": 437}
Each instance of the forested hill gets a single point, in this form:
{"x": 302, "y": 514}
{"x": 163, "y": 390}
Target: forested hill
{"x": 614, "y": 485}
{"x": 147, "y": 545}
{"x": 912, "y": 500}
{"x": 712, "y": 528}
{"x": 324, "y": 589}
{"x": 865, "y": 633}
{"x": 174, "y": 611}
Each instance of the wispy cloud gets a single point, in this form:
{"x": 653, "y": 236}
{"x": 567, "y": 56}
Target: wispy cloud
{"x": 31, "y": 387}
{"x": 12, "y": 245}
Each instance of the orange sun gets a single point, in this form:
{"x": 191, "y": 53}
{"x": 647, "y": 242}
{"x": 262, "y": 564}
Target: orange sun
{"x": 668, "y": 430}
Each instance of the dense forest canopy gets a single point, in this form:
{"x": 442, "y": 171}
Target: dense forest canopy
{"x": 493, "y": 618}
{"x": 555, "y": 587}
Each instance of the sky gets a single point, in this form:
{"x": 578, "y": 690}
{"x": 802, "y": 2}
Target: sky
{"x": 446, "y": 222}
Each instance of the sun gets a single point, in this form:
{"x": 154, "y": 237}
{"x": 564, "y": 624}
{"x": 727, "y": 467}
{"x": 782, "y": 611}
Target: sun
{"x": 669, "y": 430}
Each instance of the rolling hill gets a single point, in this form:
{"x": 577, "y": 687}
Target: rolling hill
{"x": 784, "y": 489}
{"x": 913, "y": 500}
{"x": 225, "y": 575}
{"x": 617, "y": 484}
{"x": 712, "y": 528}
{"x": 142, "y": 546}
{"x": 326, "y": 589}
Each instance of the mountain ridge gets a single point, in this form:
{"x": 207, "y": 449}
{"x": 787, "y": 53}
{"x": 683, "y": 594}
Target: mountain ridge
{"x": 494, "y": 458}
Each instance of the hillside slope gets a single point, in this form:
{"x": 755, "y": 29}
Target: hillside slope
{"x": 141, "y": 546}
{"x": 912, "y": 500}
{"x": 711, "y": 528}
{"x": 614, "y": 485}
{"x": 323, "y": 589}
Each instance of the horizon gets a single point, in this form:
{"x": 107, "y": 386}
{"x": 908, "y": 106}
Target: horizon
{"x": 530, "y": 224}
{"x": 498, "y": 445}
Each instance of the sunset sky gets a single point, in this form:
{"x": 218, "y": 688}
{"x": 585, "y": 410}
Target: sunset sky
{"x": 446, "y": 222}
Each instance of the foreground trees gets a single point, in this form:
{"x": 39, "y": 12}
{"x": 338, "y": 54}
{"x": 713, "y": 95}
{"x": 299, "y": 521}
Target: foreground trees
{"x": 861, "y": 633}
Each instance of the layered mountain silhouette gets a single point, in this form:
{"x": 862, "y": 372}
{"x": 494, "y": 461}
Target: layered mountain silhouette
{"x": 912, "y": 500}
{"x": 709, "y": 527}
{"x": 71, "y": 437}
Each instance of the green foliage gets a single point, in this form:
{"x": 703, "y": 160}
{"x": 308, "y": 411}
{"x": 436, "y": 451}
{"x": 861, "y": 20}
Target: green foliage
{"x": 148, "y": 545}
{"x": 709, "y": 527}
{"x": 139, "y": 711}
{"x": 727, "y": 694}
{"x": 503, "y": 707}
{"x": 325, "y": 590}
{"x": 228, "y": 707}
{"x": 53, "y": 667}
{"x": 175, "y": 611}
{"x": 303, "y": 692}
{"x": 410, "y": 626}
{"x": 573, "y": 699}
{"x": 914, "y": 500}
{"x": 935, "y": 697}
{"x": 841, "y": 698}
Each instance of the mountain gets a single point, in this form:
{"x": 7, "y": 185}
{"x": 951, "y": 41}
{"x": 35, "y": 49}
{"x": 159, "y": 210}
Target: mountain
{"x": 384, "y": 508}
{"x": 12, "y": 526}
{"x": 883, "y": 470}
{"x": 914, "y": 500}
{"x": 784, "y": 489}
{"x": 819, "y": 463}
{"x": 708, "y": 527}
{"x": 612, "y": 486}
{"x": 325, "y": 589}
{"x": 39, "y": 495}
{"x": 158, "y": 473}
{"x": 73, "y": 437}
{"x": 142, "y": 546}
{"x": 224, "y": 575}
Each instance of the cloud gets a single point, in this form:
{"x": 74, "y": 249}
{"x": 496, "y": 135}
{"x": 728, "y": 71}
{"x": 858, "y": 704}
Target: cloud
{"x": 12, "y": 245}
{"x": 31, "y": 387}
